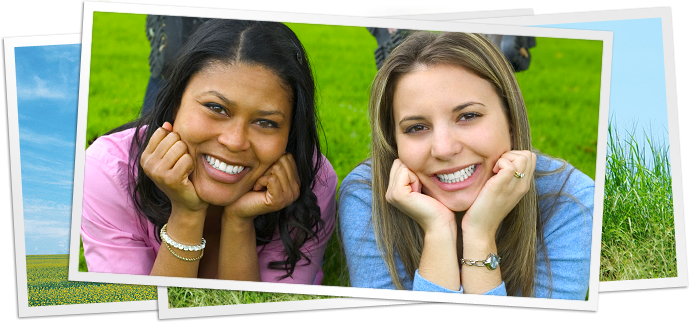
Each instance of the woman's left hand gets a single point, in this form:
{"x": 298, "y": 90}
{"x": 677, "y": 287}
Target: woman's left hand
{"x": 500, "y": 194}
{"x": 277, "y": 188}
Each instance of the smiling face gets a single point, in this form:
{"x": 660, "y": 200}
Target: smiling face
{"x": 235, "y": 120}
{"x": 450, "y": 130}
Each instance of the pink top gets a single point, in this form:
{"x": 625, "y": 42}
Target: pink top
{"x": 117, "y": 240}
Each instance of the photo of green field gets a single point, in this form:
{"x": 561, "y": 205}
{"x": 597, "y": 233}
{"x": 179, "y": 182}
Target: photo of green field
{"x": 638, "y": 232}
{"x": 47, "y": 285}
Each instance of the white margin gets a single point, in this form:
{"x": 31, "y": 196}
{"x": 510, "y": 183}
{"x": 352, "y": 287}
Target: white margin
{"x": 90, "y": 7}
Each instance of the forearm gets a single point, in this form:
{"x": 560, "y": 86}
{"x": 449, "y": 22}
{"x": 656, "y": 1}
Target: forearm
{"x": 439, "y": 261}
{"x": 479, "y": 280}
{"x": 238, "y": 259}
{"x": 185, "y": 228}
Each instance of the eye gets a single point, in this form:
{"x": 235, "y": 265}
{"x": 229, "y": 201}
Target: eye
{"x": 469, "y": 116}
{"x": 216, "y": 108}
{"x": 415, "y": 128}
{"x": 268, "y": 124}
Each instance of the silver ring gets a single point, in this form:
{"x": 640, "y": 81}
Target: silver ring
{"x": 519, "y": 175}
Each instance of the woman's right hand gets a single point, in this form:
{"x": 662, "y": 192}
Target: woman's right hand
{"x": 168, "y": 163}
{"x": 405, "y": 193}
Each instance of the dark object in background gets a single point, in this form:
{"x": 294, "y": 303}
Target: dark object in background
{"x": 387, "y": 41}
{"x": 166, "y": 35}
{"x": 514, "y": 48}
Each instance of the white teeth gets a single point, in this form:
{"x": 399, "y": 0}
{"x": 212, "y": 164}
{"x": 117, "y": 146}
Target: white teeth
{"x": 458, "y": 176}
{"x": 221, "y": 166}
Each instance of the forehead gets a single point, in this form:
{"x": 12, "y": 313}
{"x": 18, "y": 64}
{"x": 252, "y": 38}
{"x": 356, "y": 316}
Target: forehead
{"x": 241, "y": 81}
{"x": 429, "y": 88}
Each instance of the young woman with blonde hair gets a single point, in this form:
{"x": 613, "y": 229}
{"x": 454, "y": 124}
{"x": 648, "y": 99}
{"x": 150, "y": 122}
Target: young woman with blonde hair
{"x": 454, "y": 197}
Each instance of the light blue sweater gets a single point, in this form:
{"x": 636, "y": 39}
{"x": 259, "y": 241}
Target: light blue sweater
{"x": 567, "y": 234}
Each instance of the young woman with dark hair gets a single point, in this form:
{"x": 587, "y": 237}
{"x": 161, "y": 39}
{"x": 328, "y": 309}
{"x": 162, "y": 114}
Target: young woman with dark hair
{"x": 225, "y": 178}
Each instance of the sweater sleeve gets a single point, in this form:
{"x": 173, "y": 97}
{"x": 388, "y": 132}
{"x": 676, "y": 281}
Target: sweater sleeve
{"x": 364, "y": 259}
{"x": 306, "y": 271}
{"x": 115, "y": 239}
{"x": 567, "y": 236}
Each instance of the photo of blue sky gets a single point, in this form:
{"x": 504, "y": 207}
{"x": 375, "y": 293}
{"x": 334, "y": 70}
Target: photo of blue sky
{"x": 47, "y": 94}
{"x": 638, "y": 79}
{"x": 37, "y": 26}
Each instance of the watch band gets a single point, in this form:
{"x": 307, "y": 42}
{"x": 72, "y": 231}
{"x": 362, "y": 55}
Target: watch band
{"x": 491, "y": 262}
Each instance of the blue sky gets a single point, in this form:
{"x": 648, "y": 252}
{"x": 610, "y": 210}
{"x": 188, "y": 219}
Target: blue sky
{"x": 638, "y": 83}
{"x": 47, "y": 94}
{"x": 37, "y": 26}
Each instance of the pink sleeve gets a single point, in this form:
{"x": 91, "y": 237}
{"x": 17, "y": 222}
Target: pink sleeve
{"x": 115, "y": 238}
{"x": 307, "y": 273}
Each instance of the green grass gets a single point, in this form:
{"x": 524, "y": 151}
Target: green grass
{"x": 47, "y": 284}
{"x": 196, "y": 297}
{"x": 561, "y": 90}
{"x": 638, "y": 233}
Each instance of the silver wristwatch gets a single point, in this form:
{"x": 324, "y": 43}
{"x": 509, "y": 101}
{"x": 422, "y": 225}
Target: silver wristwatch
{"x": 491, "y": 262}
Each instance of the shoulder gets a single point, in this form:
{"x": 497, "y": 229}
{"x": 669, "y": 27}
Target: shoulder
{"x": 358, "y": 180}
{"x": 556, "y": 176}
{"x": 109, "y": 156}
{"x": 326, "y": 179}
{"x": 114, "y": 145}
{"x": 354, "y": 202}
{"x": 566, "y": 198}
{"x": 324, "y": 188}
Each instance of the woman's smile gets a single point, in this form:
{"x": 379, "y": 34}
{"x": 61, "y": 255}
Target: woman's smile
{"x": 449, "y": 180}
{"x": 224, "y": 172}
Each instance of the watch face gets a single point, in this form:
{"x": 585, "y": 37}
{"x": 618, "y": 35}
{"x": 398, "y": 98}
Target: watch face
{"x": 492, "y": 261}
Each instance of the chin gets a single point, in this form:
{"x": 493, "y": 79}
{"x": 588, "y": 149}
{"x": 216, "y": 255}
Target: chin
{"x": 213, "y": 197}
{"x": 457, "y": 203}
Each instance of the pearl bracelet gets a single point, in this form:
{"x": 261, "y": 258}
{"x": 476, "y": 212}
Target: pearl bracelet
{"x": 171, "y": 242}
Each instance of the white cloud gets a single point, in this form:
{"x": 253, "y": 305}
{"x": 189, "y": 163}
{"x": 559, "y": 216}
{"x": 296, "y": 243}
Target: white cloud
{"x": 42, "y": 208}
{"x": 47, "y": 140}
{"x": 41, "y": 90}
{"x": 46, "y": 229}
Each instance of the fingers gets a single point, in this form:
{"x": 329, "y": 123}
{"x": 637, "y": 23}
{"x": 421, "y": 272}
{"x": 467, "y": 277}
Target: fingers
{"x": 523, "y": 161}
{"x": 402, "y": 181}
{"x": 281, "y": 181}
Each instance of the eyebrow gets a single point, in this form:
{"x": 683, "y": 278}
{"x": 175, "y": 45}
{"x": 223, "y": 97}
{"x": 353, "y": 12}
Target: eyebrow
{"x": 229, "y": 102}
{"x": 455, "y": 110}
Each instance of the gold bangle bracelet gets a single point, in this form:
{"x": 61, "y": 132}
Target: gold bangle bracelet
{"x": 183, "y": 258}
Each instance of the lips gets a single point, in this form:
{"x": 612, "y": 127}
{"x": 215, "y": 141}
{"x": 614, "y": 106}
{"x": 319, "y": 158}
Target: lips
{"x": 224, "y": 172}
{"x": 454, "y": 179}
{"x": 223, "y": 167}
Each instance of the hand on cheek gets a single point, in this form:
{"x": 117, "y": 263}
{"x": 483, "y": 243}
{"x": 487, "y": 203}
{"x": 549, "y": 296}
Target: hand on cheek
{"x": 405, "y": 193}
{"x": 501, "y": 192}
{"x": 168, "y": 163}
{"x": 277, "y": 188}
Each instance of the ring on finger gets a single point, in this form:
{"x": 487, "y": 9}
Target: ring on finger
{"x": 519, "y": 175}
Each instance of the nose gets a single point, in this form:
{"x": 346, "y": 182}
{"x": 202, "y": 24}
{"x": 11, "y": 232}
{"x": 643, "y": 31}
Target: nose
{"x": 235, "y": 137}
{"x": 445, "y": 143}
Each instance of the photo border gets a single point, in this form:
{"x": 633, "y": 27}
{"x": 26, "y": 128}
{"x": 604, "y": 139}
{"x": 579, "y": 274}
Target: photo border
{"x": 673, "y": 125}
{"x": 90, "y": 8}
{"x": 17, "y": 195}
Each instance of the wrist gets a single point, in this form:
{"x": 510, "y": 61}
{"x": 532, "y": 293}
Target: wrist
{"x": 237, "y": 223}
{"x": 184, "y": 230}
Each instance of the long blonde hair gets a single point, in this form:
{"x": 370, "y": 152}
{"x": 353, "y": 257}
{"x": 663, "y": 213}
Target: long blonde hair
{"x": 397, "y": 233}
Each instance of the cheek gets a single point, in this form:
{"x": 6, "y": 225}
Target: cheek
{"x": 270, "y": 148}
{"x": 412, "y": 153}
